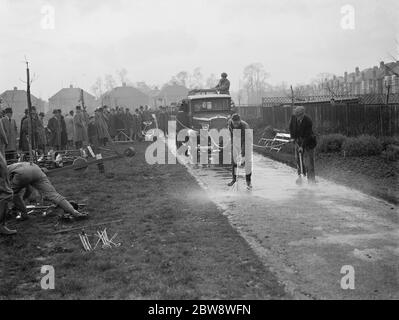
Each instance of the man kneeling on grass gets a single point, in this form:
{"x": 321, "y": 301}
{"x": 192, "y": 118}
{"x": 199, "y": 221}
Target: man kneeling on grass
{"x": 5, "y": 197}
{"x": 24, "y": 175}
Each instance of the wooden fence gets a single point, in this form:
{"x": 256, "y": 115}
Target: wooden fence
{"x": 351, "y": 117}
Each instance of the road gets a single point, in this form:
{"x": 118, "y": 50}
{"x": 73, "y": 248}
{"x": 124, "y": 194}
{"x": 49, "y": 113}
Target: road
{"x": 306, "y": 234}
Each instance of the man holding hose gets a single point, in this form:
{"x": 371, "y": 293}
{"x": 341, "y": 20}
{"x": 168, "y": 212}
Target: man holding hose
{"x": 241, "y": 148}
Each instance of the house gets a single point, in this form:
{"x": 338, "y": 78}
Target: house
{"x": 172, "y": 94}
{"x": 375, "y": 80}
{"x": 68, "y": 98}
{"x": 17, "y": 100}
{"x": 126, "y": 97}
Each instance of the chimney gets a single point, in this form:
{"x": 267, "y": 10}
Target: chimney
{"x": 357, "y": 70}
{"x": 382, "y": 65}
{"x": 123, "y": 84}
{"x": 70, "y": 86}
{"x": 15, "y": 88}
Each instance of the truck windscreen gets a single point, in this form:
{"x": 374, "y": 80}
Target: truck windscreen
{"x": 211, "y": 105}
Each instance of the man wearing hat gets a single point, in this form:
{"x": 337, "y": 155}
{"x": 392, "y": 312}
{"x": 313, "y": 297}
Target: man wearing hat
{"x": 241, "y": 148}
{"x": 224, "y": 84}
{"x": 3, "y": 140}
{"x": 11, "y": 131}
{"x": 70, "y": 128}
{"x": 301, "y": 130}
{"x": 80, "y": 124}
{"x": 54, "y": 125}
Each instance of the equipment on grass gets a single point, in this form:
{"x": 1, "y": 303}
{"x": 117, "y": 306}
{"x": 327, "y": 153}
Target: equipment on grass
{"x": 299, "y": 181}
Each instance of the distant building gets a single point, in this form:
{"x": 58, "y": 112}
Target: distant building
{"x": 172, "y": 94}
{"x": 17, "y": 100}
{"x": 373, "y": 80}
{"x": 126, "y": 97}
{"x": 68, "y": 98}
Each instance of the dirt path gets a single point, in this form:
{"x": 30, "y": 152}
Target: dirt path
{"x": 307, "y": 234}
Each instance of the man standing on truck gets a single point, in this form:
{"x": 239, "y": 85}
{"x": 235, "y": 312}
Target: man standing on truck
{"x": 241, "y": 148}
{"x": 224, "y": 84}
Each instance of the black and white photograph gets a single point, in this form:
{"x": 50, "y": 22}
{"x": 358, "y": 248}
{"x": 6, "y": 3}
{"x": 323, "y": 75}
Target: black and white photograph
{"x": 203, "y": 157}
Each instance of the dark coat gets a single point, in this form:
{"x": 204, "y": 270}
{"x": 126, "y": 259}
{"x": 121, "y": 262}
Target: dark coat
{"x": 223, "y": 86}
{"x": 243, "y": 127}
{"x": 302, "y": 132}
{"x": 54, "y": 125}
{"x": 64, "y": 133}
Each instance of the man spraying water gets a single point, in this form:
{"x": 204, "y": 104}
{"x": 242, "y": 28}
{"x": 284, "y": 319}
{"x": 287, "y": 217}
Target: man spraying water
{"x": 241, "y": 148}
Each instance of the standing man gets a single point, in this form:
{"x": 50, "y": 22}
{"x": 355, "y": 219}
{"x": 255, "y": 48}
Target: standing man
{"x": 137, "y": 125}
{"x": 70, "y": 128}
{"x": 11, "y": 131}
{"x": 3, "y": 140}
{"x": 128, "y": 121}
{"x": 101, "y": 126}
{"x": 64, "y": 134}
{"x": 224, "y": 84}
{"x": 301, "y": 130}
{"x": 54, "y": 126}
{"x": 41, "y": 134}
{"x": 241, "y": 148}
{"x": 79, "y": 122}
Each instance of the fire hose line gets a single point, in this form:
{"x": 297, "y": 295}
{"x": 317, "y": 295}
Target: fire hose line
{"x": 213, "y": 141}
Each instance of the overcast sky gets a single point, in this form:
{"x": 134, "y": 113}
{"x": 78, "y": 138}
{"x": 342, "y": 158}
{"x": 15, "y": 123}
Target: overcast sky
{"x": 155, "y": 39}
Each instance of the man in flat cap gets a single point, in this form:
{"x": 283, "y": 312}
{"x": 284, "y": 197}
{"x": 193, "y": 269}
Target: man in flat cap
{"x": 241, "y": 148}
{"x": 224, "y": 84}
{"x": 301, "y": 130}
{"x": 54, "y": 126}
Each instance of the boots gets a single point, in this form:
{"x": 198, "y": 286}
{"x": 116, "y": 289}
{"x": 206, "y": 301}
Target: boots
{"x": 249, "y": 183}
{"x": 230, "y": 184}
{"x": 5, "y": 231}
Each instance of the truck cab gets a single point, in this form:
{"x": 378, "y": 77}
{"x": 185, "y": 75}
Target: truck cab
{"x": 205, "y": 109}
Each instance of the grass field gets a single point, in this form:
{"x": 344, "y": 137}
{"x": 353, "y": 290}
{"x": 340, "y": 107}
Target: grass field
{"x": 175, "y": 242}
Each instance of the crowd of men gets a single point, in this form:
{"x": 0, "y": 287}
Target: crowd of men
{"x": 75, "y": 128}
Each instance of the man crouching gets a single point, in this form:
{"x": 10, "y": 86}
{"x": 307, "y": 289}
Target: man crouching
{"x": 5, "y": 197}
{"x": 25, "y": 175}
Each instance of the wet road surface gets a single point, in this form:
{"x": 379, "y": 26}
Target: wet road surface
{"x": 306, "y": 234}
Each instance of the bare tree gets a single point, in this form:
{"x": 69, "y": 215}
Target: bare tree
{"x": 211, "y": 81}
{"x": 255, "y": 82}
{"x": 182, "y": 78}
{"x": 196, "y": 79}
{"x": 122, "y": 74}
{"x": 109, "y": 82}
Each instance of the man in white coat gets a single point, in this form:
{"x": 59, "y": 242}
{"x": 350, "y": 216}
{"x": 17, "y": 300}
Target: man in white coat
{"x": 70, "y": 128}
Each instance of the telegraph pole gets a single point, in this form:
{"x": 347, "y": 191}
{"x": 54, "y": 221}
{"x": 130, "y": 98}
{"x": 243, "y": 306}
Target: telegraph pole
{"x": 30, "y": 136}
